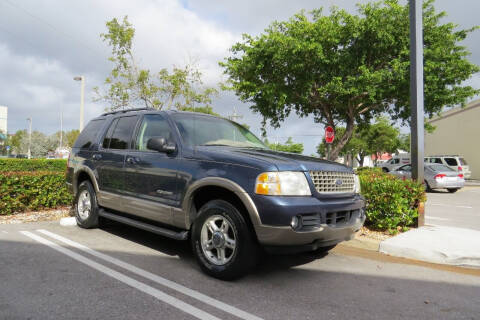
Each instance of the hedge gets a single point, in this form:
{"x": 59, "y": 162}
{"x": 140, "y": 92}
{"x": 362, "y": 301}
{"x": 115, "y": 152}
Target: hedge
{"x": 26, "y": 190}
{"x": 392, "y": 203}
{"x": 56, "y": 165}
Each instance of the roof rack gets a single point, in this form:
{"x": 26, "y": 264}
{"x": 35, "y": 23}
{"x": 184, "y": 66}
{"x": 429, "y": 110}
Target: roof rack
{"x": 126, "y": 110}
{"x": 444, "y": 155}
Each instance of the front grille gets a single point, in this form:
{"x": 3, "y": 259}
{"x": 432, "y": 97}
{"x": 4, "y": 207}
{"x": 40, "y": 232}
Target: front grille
{"x": 333, "y": 181}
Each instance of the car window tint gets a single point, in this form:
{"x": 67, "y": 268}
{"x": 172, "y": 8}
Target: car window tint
{"x": 108, "y": 136}
{"x": 463, "y": 162}
{"x": 89, "y": 134}
{"x": 153, "y": 125}
{"x": 122, "y": 133}
{"x": 451, "y": 161}
{"x": 437, "y": 160}
{"x": 406, "y": 168}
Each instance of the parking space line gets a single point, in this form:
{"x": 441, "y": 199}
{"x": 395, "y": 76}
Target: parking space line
{"x": 179, "y": 304}
{"x": 153, "y": 277}
{"x": 466, "y": 207}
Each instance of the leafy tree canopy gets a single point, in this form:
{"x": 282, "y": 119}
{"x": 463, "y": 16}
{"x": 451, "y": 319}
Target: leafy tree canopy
{"x": 346, "y": 69}
{"x": 289, "y": 146}
{"x": 129, "y": 85}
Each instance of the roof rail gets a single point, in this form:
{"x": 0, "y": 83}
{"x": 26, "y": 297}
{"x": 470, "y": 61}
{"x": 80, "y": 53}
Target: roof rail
{"x": 126, "y": 110}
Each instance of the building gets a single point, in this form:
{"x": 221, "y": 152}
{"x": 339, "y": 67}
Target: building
{"x": 3, "y": 119}
{"x": 457, "y": 133}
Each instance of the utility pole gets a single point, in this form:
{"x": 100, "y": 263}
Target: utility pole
{"x": 29, "y": 152}
{"x": 416, "y": 96}
{"x": 82, "y": 98}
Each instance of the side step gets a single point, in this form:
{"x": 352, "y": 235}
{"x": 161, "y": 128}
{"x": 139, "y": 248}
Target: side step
{"x": 181, "y": 235}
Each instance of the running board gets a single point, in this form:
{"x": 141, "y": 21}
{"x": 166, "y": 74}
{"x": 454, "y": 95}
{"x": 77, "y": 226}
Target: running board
{"x": 181, "y": 235}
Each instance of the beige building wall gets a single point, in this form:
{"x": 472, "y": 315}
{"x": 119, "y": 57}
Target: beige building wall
{"x": 457, "y": 132}
{"x": 3, "y": 119}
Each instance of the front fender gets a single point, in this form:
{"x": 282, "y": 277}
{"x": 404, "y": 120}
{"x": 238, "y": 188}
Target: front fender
{"x": 223, "y": 183}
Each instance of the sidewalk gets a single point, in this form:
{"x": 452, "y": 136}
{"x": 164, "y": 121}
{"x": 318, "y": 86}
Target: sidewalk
{"x": 444, "y": 245}
{"x": 472, "y": 183}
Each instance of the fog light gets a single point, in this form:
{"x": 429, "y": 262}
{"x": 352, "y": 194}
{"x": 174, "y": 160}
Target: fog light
{"x": 295, "y": 222}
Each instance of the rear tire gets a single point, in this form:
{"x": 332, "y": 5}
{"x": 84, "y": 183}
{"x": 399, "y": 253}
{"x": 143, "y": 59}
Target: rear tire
{"x": 427, "y": 187}
{"x": 223, "y": 244}
{"x": 453, "y": 190}
{"x": 385, "y": 170}
{"x": 86, "y": 207}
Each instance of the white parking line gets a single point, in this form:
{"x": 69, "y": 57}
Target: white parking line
{"x": 450, "y": 205}
{"x": 153, "y": 277}
{"x": 466, "y": 207}
{"x": 185, "y": 307}
{"x": 437, "y": 218}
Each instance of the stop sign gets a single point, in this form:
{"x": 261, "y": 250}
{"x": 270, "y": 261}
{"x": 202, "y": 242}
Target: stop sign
{"x": 329, "y": 134}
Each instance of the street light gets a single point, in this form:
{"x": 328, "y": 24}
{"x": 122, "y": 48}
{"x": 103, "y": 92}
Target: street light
{"x": 82, "y": 98}
{"x": 29, "y": 153}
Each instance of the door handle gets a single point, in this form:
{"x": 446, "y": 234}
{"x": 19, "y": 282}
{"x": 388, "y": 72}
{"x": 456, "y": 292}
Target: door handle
{"x": 97, "y": 156}
{"x": 132, "y": 160}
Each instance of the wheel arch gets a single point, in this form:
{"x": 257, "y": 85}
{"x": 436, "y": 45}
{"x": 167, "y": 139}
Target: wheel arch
{"x": 212, "y": 188}
{"x": 84, "y": 174}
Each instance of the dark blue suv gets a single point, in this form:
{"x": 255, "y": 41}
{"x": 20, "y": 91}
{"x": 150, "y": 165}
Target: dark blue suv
{"x": 194, "y": 176}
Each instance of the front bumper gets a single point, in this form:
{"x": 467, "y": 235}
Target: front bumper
{"x": 321, "y": 231}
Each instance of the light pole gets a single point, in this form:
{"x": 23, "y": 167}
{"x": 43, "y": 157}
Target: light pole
{"x": 416, "y": 96}
{"x": 29, "y": 152}
{"x": 82, "y": 98}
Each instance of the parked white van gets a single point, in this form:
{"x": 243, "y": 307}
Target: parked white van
{"x": 397, "y": 161}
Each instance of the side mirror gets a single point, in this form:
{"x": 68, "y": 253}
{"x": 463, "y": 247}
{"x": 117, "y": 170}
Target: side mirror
{"x": 160, "y": 144}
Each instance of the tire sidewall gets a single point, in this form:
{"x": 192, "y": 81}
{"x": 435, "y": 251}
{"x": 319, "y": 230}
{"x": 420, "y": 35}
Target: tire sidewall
{"x": 92, "y": 219}
{"x": 243, "y": 257}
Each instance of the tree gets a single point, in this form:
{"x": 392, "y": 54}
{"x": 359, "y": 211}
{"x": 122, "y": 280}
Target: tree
{"x": 70, "y": 137}
{"x": 357, "y": 146}
{"x": 15, "y": 140}
{"x": 346, "y": 69}
{"x": 40, "y": 145}
{"x": 129, "y": 86}
{"x": 289, "y": 146}
{"x": 373, "y": 139}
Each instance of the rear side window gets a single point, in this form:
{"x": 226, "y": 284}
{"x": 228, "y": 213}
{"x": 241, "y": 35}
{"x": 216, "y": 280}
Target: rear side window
{"x": 108, "y": 136}
{"x": 122, "y": 133}
{"x": 89, "y": 134}
{"x": 451, "y": 161}
{"x": 436, "y": 160}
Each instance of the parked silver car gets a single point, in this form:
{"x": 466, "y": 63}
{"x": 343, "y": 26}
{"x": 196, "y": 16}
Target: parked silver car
{"x": 437, "y": 176}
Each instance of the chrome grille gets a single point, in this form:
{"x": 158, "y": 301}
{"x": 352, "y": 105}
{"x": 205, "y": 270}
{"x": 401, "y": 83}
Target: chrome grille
{"x": 333, "y": 181}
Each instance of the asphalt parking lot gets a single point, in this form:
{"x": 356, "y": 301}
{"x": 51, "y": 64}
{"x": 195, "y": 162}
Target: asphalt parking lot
{"x": 52, "y": 272}
{"x": 460, "y": 209}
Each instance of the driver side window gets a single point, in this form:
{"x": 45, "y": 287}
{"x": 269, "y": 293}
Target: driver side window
{"x": 153, "y": 125}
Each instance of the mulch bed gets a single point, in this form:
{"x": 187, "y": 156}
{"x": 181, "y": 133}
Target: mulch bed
{"x": 36, "y": 216}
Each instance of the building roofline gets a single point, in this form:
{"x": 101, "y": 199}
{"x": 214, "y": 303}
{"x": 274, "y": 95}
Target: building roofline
{"x": 449, "y": 113}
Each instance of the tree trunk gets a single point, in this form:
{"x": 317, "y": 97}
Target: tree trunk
{"x": 343, "y": 141}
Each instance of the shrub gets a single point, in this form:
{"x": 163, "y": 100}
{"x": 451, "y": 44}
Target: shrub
{"x": 26, "y": 190}
{"x": 56, "y": 165}
{"x": 391, "y": 202}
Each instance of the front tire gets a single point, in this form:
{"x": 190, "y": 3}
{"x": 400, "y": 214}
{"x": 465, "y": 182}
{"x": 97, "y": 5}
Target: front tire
{"x": 452, "y": 190}
{"x": 86, "y": 207}
{"x": 222, "y": 241}
{"x": 385, "y": 170}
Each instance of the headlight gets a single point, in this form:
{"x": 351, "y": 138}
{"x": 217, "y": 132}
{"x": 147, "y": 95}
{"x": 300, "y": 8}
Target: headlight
{"x": 357, "y": 184}
{"x": 285, "y": 183}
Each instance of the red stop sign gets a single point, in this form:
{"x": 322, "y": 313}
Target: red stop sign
{"x": 329, "y": 134}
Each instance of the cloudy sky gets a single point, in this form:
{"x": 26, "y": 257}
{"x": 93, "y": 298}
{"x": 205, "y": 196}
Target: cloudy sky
{"x": 44, "y": 44}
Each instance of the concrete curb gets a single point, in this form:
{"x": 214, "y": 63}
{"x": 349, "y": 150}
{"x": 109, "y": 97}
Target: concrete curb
{"x": 68, "y": 222}
{"x": 444, "y": 245}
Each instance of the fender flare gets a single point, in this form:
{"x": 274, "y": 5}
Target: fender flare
{"x": 89, "y": 172}
{"x": 223, "y": 183}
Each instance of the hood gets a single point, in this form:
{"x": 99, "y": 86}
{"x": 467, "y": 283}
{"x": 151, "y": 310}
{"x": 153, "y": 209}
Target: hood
{"x": 269, "y": 159}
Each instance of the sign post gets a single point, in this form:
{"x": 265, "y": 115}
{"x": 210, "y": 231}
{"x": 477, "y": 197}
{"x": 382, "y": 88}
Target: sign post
{"x": 329, "y": 137}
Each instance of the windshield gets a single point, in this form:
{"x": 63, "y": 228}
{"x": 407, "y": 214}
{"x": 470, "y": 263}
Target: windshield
{"x": 439, "y": 168}
{"x": 199, "y": 130}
